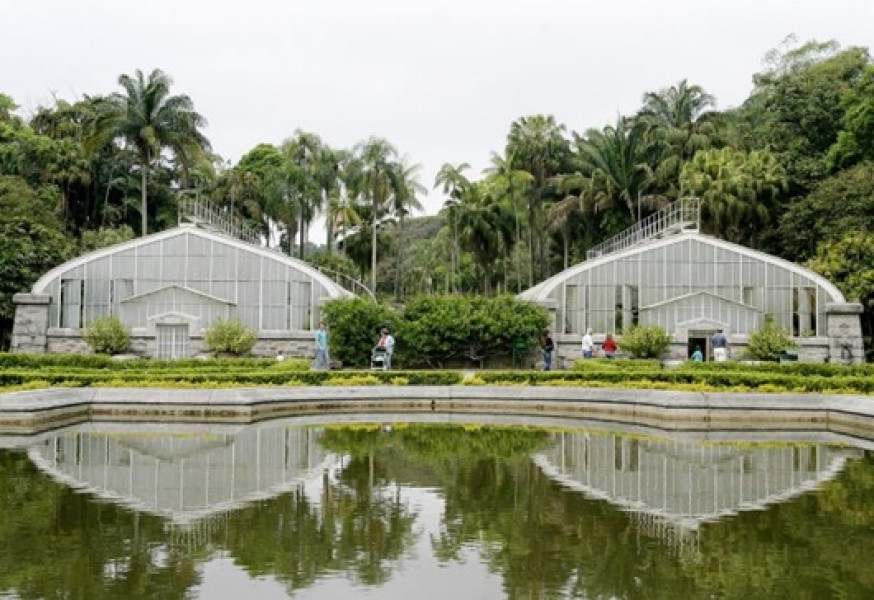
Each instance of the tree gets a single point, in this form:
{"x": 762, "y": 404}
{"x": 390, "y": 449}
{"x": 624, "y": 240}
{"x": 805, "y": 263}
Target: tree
{"x": 615, "y": 159}
{"x": 737, "y": 190}
{"x": 150, "y": 120}
{"x": 841, "y": 203}
{"x": 374, "y": 182}
{"x": 486, "y": 228}
{"x": 31, "y": 242}
{"x": 679, "y": 125}
{"x": 855, "y": 141}
{"x": 405, "y": 200}
{"x": 455, "y": 185}
{"x": 537, "y": 145}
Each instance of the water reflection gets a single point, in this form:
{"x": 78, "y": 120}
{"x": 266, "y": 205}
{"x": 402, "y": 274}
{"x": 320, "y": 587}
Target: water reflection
{"x": 402, "y": 509}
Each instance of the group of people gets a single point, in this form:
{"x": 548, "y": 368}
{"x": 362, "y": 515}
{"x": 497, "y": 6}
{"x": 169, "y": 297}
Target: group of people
{"x": 589, "y": 350}
{"x": 386, "y": 345}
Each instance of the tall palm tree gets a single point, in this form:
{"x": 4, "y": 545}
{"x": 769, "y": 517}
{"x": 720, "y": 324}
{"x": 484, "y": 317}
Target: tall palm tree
{"x": 305, "y": 164}
{"x": 405, "y": 199}
{"x": 486, "y": 228}
{"x": 615, "y": 159}
{"x": 537, "y": 145}
{"x": 517, "y": 184}
{"x": 375, "y": 183}
{"x": 455, "y": 185}
{"x": 679, "y": 125}
{"x": 150, "y": 120}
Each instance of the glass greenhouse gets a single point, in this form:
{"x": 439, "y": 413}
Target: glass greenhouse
{"x": 668, "y": 274}
{"x": 171, "y": 286}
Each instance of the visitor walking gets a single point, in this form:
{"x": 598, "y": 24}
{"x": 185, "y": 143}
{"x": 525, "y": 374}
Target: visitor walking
{"x": 719, "y": 343}
{"x": 588, "y": 344}
{"x": 322, "y": 360}
{"x": 546, "y": 346}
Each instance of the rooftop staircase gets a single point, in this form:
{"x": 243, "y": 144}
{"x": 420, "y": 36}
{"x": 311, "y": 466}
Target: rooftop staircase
{"x": 684, "y": 215}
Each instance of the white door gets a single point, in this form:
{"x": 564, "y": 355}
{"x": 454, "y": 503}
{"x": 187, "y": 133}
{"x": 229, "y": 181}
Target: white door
{"x": 172, "y": 341}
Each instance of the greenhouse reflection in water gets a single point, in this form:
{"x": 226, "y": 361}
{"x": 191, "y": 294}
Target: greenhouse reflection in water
{"x": 392, "y": 509}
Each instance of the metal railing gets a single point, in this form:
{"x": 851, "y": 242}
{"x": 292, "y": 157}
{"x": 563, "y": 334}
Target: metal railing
{"x": 200, "y": 211}
{"x": 682, "y": 215}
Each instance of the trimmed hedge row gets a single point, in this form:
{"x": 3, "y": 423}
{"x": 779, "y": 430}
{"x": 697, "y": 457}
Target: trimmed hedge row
{"x": 726, "y": 379}
{"x": 99, "y": 361}
{"x": 82, "y": 378}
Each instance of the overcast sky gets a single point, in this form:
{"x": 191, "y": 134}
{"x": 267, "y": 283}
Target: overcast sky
{"x": 441, "y": 79}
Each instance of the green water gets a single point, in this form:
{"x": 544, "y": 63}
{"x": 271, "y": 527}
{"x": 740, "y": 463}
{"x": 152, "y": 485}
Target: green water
{"x": 431, "y": 511}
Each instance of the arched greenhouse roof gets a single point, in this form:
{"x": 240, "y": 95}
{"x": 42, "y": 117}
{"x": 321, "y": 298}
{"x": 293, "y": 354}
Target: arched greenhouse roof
{"x": 543, "y": 290}
{"x": 332, "y": 289}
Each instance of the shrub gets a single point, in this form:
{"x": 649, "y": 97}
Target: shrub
{"x": 767, "y": 342}
{"x": 108, "y": 336}
{"x": 231, "y": 337}
{"x": 645, "y": 341}
{"x": 354, "y": 325}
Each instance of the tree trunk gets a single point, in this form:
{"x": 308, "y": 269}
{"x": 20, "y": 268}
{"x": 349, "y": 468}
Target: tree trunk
{"x": 144, "y": 178}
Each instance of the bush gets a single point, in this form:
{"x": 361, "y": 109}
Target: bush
{"x": 446, "y": 329}
{"x": 231, "y": 337}
{"x": 353, "y": 329}
{"x": 768, "y": 342}
{"x": 108, "y": 336}
{"x": 645, "y": 341}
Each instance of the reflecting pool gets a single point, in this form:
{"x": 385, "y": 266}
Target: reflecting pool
{"x": 388, "y": 507}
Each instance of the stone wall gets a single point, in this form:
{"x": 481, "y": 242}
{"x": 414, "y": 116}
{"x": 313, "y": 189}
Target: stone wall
{"x": 31, "y": 323}
{"x": 844, "y": 325}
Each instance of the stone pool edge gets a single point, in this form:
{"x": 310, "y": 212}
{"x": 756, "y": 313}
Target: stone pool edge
{"x": 36, "y": 410}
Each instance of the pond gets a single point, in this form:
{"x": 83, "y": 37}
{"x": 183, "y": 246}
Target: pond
{"x": 391, "y": 506}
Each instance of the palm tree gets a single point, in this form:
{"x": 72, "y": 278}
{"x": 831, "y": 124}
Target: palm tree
{"x": 455, "y": 185}
{"x": 537, "y": 145}
{"x": 517, "y": 183}
{"x": 615, "y": 159}
{"x": 407, "y": 190}
{"x": 577, "y": 192}
{"x": 375, "y": 183}
{"x": 305, "y": 164}
{"x": 679, "y": 125}
{"x": 150, "y": 120}
{"x": 486, "y": 227}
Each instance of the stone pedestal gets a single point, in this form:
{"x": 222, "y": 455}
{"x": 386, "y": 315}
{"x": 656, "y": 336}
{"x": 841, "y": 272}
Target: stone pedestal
{"x": 845, "y": 332}
{"x": 31, "y": 322}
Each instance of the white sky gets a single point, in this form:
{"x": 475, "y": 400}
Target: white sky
{"x": 441, "y": 79}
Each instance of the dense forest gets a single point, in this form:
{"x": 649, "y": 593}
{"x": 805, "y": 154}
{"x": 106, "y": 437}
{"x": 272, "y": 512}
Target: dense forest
{"x": 790, "y": 172}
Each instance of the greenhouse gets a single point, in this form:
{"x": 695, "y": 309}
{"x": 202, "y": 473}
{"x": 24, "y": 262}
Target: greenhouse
{"x": 168, "y": 288}
{"x": 665, "y": 272}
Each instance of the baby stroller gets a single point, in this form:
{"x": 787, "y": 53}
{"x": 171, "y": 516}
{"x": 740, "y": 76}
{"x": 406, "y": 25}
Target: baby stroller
{"x": 377, "y": 359}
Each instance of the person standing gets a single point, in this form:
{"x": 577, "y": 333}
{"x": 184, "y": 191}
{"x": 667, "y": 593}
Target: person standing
{"x": 588, "y": 344}
{"x": 719, "y": 343}
{"x": 322, "y": 361}
{"x": 697, "y": 356}
{"x": 609, "y": 346}
{"x": 546, "y": 346}
{"x": 387, "y": 341}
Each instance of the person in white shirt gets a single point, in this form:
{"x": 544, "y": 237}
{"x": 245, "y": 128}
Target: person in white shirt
{"x": 588, "y": 344}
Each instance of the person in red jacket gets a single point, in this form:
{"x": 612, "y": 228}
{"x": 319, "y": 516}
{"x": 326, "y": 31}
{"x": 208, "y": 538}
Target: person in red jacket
{"x": 609, "y": 346}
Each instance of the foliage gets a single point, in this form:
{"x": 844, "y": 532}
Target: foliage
{"x": 769, "y": 341}
{"x": 31, "y": 242}
{"x": 839, "y": 204}
{"x": 443, "y": 329}
{"x": 232, "y": 337}
{"x": 645, "y": 341}
{"x": 107, "y": 336}
{"x": 354, "y": 325}
{"x": 94, "y": 239}
{"x": 855, "y": 141}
